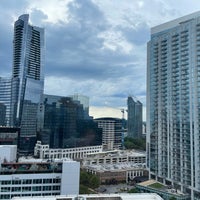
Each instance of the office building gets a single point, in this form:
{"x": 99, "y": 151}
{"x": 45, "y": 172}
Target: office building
{"x": 28, "y": 80}
{"x": 9, "y": 135}
{"x": 84, "y": 100}
{"x": 173, "y": 104}
{"x": 31, "y": 178}
{"x": 63, "y": 124}
{"x": 134, "y": 119}
{"x": 111, "y": 132}
{"x": 5, "y": 101}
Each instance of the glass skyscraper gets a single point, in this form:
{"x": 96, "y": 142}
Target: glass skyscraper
{"x": 5, "y": 101}
{"x": 28, "y": 79}
{"x": 173, "y": 104}
{"x": 134, "y": 122}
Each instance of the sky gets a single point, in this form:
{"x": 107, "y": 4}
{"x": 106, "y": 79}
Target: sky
{"x": 95, "y": 48}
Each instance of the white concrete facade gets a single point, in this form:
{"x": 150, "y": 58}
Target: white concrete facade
{"x": 39, "y": 179}
{"x": 44, "y": 152}
{"x": 144, "y": 196}
{"x": 8, "y": 153}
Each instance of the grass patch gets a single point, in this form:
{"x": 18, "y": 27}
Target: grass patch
{"x": 157, "y": 186}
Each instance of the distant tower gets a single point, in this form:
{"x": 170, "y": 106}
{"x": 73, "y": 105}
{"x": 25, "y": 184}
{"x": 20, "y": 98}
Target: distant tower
{"x": 134, "y": 118}
{"x": 28, "y": 79}
{"x": 112, "y": 132}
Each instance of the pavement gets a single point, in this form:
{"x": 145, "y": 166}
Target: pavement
{"x": 119, "y": 188}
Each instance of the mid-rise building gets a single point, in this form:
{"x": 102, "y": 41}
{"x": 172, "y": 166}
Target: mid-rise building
{"x": 173, "y": 104}
{"x": 117, "y": 166}
{"x": 9, "y": 135}
{"x": 8, "y": 153}
{"x": 63, "y": 124}
{"x": 134, "y": 118}
{"x": 77, "y": 153}
{"x": 27, "y": 80}
{"x": 31, "y": 178}
{"x": 111, "y": 132}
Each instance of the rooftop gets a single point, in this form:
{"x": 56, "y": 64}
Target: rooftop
{"x": 174, "y": 23}
{"x": 115, "y": 167}
{"x": 138, "y": 196}
{"x": 155, "y": 185}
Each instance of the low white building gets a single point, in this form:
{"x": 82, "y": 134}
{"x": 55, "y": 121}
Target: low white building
{"x": 44, "y": 152}
{"x": 116, "y": 165}
{"x": 115, "y": 157}
{"x": 138, "y": 196}
{"x": 39, "y": 179}
{"x": 8, "y": 153}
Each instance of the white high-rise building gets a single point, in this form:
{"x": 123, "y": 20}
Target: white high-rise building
{"x": 173, "y": 104}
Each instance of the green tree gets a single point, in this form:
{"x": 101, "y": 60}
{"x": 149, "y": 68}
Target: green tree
{"x": 134, "y": 143}
{"x": 133, "y": 190}
{"x": 94, "y": 181}
{"x": 172, "y": 198}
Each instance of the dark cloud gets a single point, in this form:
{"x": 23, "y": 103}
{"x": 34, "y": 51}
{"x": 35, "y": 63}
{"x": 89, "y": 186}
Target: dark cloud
{"x": 138, "y": 36}
{"x": 9, "y": 10}
{"x": 75, "y": 49}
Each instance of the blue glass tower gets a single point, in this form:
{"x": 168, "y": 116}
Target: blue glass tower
{"x": 28, "y": 79}
{"x": 134, "y": 118}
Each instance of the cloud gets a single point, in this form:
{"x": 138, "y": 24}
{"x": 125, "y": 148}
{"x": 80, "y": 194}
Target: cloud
{"x": 93, "y": 47}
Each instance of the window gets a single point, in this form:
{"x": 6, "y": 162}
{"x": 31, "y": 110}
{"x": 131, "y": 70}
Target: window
{"x": 27, "y": 181}
{"x": 37, "y": 181}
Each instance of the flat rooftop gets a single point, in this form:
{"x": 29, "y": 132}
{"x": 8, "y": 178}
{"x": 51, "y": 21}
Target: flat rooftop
{"x": 155, "y": 185}
{"x": 174, "y": 23}
{"x": 136, "y": 196}
{"x": 116, "y": 167}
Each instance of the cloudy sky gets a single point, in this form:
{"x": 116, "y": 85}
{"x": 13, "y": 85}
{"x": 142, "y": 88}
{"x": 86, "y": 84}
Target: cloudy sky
{"x": 93, "y": 47}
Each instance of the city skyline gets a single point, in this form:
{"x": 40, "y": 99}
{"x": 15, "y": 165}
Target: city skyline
{"x": 98, "y": 47}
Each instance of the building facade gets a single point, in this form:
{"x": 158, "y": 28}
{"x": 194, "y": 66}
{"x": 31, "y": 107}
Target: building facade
{"x": 111, "y": 132}
{"x": 5, "y": 101}
{"x": 116, "y": 166}
{"x": 134, "y": 119}
{"x": 173, "y": 104}
{"x": 63, "y": 124}
{"x": 39, "y": 179}
{"x": 44, "y": 152}
{"x": 27, "y": 80}
{"x": 9, "y": 135}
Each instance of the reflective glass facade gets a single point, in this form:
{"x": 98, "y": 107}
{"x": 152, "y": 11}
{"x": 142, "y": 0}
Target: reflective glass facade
{"x": 134, "y": 122}
{"x": 63, "y": 124}
{"x": 28, "y": 79}
{"x": 173, "y": 104}
{"x": 5, "y": 101}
